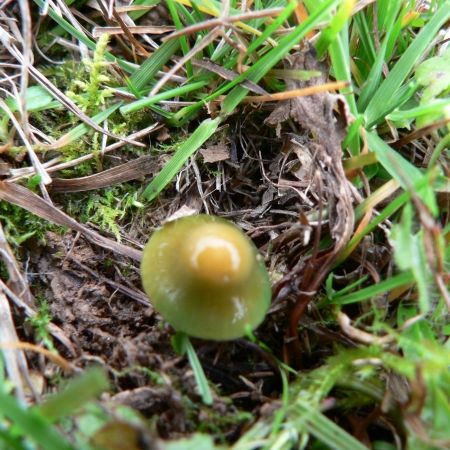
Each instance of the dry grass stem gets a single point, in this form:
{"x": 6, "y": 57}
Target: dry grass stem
{"x": 295, "y": 93}
{"x": 53, "y": 357}
{"x": 224, "y": 21}
{"x": 208, "y": 39}
{"x": 15, "y": 362}
{"x": 40, "y": 170}
{"x": 53, "y": 166}
{"x": 17, "y": 281}
{"x": 142, "y": 29}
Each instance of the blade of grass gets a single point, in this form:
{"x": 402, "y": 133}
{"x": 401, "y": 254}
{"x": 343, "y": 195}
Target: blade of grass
{"x": 153, "y": 63}
{"x": 338, "y": 21}
{"x": 214, "y": 8}
{"x": 422, "y": 187}
{"x": 147, "y": 101}
{"x": 32, "y": 424}
{"x": 405, "y": 173}
{"x": 433, "y": 107}
{"x": 325, "y": 430}
{"x": 76, "y": 394}
{"x": 336, "y": 38}
{"x": 179, "y": 26}
{"x": 374, "y": 290}
{"x": 351, "y": 287}
{"x": 205, "y": 130}
{"x": 374, "y": 78}
{"x": 409, "y": 254}
{"x": 273, "y": 26}
{"x": 12, "y": 441}
{"x": 144, "y": 73}
{"x": 365, "y": 39}
{"x": 395, "y": 32}
{"x": 340, "y": 58}
{"x": 199, "y": 374}
{"x": 190, "y": 18}
{"x": 394, "y": 206}
{"x": 37, "y": 99}
{"x": 82, "y": 129}
{"x": 445, "y": 141}
{"x": 138, "y": 14}
{"x": 398, "y": 167}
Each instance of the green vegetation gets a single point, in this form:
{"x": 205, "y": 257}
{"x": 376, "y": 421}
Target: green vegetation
{"x": 366, "y": 362}
{"x": 40, "y": 324}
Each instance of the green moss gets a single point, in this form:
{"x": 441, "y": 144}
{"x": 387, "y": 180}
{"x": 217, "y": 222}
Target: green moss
{"x": 106, "y": 208}
{"x": 20, "y": 225}
{"x": 40, "y": 322}
{"x": 88, "y": 91}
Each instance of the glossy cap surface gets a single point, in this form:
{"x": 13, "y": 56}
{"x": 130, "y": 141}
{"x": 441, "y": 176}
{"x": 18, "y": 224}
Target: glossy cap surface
{"x": 206, "y": 278}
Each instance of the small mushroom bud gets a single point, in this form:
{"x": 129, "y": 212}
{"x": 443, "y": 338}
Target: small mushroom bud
{"x": 206, "y": 278}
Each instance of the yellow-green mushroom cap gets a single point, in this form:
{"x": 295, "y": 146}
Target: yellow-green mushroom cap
{"x": 206, "y": 278}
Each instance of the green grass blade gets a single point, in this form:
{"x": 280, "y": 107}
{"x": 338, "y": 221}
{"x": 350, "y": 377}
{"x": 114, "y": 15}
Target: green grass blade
{"x": 339, "y": 21}
{"x": 395, "y": 35}
{"x": 12, "y": 442}
{"x": 433, "y": 107}
{"x": 179, "y": 26}
{"x": 258, "y": 70}
{"x": 440, "y": 147}
{"x": 398, "y": 167}
{"x": 340, "y": 58}
{"x": 372, "y": 291}
{"x": 144, "y": 73}
{"x": 409, "y": 254}
{"x": 171, "y": 93}
{"x": 77, "y": 393}
{"x": 390, "y": 209}
{"x": 365, "y": 39}
{"x": 190, "y": 146}
{"x": 385, "y": 98}
{"x": 274, "y": 25}
{"x": 138, "y": 14}
{"x": 200, "y": 378}
{"x": 32, "y": 424}
{"x": 148, "y": 69}
{"x": 37, "y": 99}
{"x": 82, "y": 129}
{"x": 325, "y": 430}
{"x": 374, "y": 78}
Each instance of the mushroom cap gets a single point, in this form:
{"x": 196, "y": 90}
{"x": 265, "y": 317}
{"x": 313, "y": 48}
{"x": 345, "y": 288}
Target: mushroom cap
{"x": 206, "y": 278}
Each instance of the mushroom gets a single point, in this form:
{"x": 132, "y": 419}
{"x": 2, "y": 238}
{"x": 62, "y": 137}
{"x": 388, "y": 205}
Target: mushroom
{"x": 206, "y": 278}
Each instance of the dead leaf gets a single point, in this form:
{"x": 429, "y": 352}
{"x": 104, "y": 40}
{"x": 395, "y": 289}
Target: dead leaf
{"x": 215, "y": 153}
{"x": 163, "y": 135}
{"x": 99, "y": 31}
{"x": 120, "y": 174}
